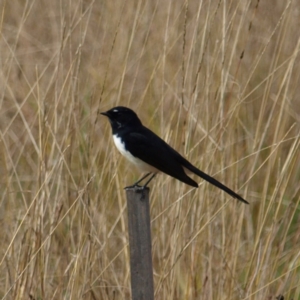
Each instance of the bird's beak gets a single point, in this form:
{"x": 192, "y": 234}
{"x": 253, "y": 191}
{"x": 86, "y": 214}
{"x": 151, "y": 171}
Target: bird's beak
{"x": 105, "y": 113}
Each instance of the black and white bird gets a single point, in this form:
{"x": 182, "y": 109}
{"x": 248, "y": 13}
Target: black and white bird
{"x": 150, "y": 153}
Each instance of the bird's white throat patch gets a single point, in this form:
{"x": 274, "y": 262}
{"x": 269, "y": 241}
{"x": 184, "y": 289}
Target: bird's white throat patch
{"x": 135, "y": 160}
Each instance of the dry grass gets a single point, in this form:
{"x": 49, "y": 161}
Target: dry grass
{"x": 219, "y": 80}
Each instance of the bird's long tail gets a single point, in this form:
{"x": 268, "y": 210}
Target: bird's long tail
{"x": 215, "y": 183}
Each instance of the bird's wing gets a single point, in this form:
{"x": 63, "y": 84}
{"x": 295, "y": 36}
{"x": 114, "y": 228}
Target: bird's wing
{"x": 150, "y": 148}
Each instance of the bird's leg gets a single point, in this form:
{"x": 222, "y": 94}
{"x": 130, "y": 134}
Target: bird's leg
{"x": 145, "y": 185}
{"x": 136, "y": 183}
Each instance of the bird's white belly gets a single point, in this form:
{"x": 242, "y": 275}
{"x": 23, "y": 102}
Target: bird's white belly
{"x": 136, "y": 161}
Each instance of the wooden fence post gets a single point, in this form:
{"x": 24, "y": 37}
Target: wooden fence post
{"x": 140, "y": 244}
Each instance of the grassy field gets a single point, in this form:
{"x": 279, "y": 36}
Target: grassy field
{"x": 218, "y": 80}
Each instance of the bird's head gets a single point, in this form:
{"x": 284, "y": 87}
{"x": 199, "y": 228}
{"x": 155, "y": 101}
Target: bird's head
{"x": 121, "y": 116}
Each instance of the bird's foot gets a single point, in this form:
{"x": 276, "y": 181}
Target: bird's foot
{"x": 136, "y": 187}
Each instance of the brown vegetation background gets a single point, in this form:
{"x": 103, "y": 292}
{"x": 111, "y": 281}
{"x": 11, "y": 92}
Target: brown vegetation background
{"x": 218, "y": 80}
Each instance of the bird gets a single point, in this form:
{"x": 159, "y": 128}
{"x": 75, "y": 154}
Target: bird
{"x": 150, "y": 153}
